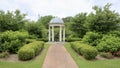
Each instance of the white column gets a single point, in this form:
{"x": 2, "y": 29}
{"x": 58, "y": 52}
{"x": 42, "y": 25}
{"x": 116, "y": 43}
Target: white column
{"x": 49, "y": 34}
{"x": 60, "y": 34}
{"x": 64, "y": 34}
{"x": 52, "y": 33}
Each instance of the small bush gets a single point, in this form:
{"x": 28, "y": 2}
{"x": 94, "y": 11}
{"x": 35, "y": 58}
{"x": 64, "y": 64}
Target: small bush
{"x": 106, "y": 55}
{"x": 29, "y": 51}
{"x": 89, "y": 52}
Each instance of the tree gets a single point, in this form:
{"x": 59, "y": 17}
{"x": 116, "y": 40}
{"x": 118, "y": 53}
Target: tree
{"x": 45, "y": 20}
{"x": 78, "y": 24}
{"x": 103, "y": 20}
{"x": 67, "y": 19}
{"x": 11, "y": 20}
{"x": 36, "y": 30}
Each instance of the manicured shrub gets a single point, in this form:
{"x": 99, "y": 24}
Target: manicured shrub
{"x": 109, "y": 43}
{"x": 77, "y": 46}
{"x": 106, "y": 55}
{"x": 29, "y": 51}
{"x": 89, "y": 52}
{"x": 92, "y": 38}
{"x": 11, "y": 41}
{"x": 26, "y": 54}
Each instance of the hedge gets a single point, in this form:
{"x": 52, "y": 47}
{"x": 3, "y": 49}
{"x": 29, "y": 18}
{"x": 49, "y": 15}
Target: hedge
{"x": 29, "y": 51}
{"x": 87, "y": 51}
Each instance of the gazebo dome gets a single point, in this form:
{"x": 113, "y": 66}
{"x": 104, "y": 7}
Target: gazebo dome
{"x": 56, "y": 21}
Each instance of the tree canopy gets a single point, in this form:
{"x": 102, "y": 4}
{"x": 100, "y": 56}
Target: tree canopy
{"x": 103, "y": 19}
{"x": 11, "y": 20}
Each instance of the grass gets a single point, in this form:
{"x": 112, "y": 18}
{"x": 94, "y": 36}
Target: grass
{"x": 37, "y": 63}
{"x": 83, "y": 63}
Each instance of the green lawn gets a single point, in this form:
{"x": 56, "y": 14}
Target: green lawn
{"x": 82, "y": 63}
{"x": 37, "y": 63}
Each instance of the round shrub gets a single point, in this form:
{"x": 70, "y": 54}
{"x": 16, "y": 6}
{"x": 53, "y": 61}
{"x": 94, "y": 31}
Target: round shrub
{"x": 26, "y": 54}
{"x": 89, "y": 52}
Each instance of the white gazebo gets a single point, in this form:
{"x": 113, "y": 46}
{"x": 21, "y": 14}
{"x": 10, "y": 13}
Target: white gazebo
{"x": 59, "y": 23}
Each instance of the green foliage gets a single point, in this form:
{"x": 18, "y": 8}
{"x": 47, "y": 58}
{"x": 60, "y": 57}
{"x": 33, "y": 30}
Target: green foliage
{"x": 36, "y": 30}
{"x": 103, "y": 20}
{"x": 11, "y": 20}
{"x": 89, "y": 52}
{"x": 109, "y": 43}
{"x": 77, "y": 46}
{"x": 43, "y": 39}
{"x": 67, "y": 19}
{"x": 68, "y": 32}
{"x": 26, "y": 54}
{"x": 106, "y": 55}
{"x": 78, "y": 24}
{"x": 45, "y": 20}
{"x": 92, "y": 38}
{"x": 29, "y": 51}
{"x": 73, "y": 39}
{"x": 11, "y": 41}
{"x": 27, "y": 41}
{"x": 115, "y": 33}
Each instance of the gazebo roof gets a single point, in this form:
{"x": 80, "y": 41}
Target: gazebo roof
{"x": 56, "y": 20}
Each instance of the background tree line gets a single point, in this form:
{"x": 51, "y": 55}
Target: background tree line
{"x": 102, "y": 20}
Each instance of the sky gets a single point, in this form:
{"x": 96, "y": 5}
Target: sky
{"x": 59, "y": 8}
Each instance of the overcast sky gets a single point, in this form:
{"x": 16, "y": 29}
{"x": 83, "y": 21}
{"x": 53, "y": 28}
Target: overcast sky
{"x": 59, "y": 8}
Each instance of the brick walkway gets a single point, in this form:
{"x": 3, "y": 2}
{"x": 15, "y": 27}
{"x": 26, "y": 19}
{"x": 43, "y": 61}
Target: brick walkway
{"x": 58, "y": 57}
